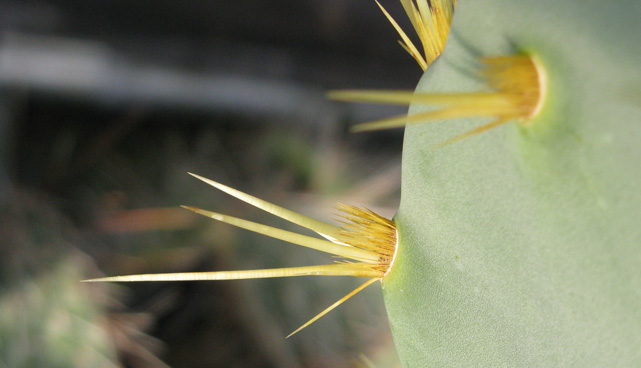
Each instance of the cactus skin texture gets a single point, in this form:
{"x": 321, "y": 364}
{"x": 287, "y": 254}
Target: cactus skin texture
{"x": 521, "y": 246}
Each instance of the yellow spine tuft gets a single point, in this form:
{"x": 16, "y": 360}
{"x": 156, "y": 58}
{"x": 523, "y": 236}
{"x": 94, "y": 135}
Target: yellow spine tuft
{"x": 431, "y": 23}
{"x": 366, "y": 245}
{"x": 517, "y": 85}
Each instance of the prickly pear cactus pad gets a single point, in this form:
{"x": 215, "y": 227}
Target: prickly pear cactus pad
{"x": 521, "y": 246}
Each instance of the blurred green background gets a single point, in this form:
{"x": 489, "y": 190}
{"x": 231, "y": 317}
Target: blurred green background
{"x": 104, "y": 107}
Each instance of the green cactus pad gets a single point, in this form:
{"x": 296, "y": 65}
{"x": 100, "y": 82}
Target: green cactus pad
{"x": 521, "y": 246}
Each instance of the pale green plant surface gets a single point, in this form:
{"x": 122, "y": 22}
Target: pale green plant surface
{"x": 521, "y": 246}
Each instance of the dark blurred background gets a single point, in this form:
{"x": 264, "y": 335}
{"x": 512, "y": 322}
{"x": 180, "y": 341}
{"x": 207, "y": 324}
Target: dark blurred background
{"x": 104, "y": 107}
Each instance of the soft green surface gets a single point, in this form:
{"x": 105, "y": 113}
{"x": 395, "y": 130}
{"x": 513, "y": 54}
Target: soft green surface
{"x": 522, "y": 246}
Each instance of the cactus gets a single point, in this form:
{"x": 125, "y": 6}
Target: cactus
{"x": 521, "y": 246}
{"x": 518, "y": 238}
{"x": 46, "y": 320}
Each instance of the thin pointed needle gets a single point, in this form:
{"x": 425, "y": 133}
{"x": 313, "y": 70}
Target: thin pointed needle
{"x": 400, "y": 97}
{"x": 414, "y": 51}
{"x": 339, "y": 302}
{"x": 290, "y": 237}
{"x": 320, "y": 227}
{"x": 472, "y": 132}
{"x": 426, "y": 117}
{"x": 319, "y": 270}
